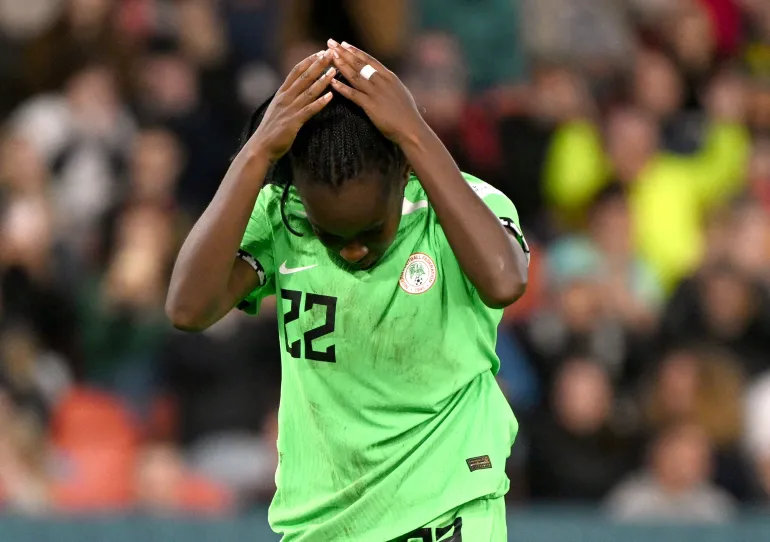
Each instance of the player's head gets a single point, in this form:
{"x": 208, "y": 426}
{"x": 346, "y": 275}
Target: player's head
{"x": 350, "y": 178}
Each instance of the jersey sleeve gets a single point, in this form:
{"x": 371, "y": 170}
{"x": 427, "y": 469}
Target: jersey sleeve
{"x": 503, "y": 208}
{"x": 257, "y": 250}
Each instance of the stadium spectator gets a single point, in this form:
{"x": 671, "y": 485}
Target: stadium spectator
{"x": 723, "y": 307}
{"x": 633, "y": 292}
{"x": 577, "y": 319}
{"x": 706, "y": 386}
{"x": 82, "y": 135}
{"x": 576, "y": 453}
{"x": 675, "y": 486}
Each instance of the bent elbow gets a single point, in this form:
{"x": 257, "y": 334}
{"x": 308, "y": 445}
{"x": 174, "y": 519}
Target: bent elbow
{"x": 184, "y": 319}
{"x": 506, "y": 294}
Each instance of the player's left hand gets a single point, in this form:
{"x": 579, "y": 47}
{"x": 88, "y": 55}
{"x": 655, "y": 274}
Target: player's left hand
{"x": 383, "y": 97}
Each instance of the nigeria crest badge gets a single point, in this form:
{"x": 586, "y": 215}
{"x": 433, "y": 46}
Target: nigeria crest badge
{"x": 419, "y": 274}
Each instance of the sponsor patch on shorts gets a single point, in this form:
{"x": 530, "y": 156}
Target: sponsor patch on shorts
{"x": 478, "y": 463}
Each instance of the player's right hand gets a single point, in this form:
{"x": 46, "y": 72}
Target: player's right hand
{"x": 294, "y": 104}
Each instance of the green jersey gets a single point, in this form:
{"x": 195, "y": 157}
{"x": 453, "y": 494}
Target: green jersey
{"x": 390, "y": 414}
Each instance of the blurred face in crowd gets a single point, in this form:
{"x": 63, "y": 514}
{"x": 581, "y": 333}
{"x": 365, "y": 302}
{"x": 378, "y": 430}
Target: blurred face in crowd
{"x": 25, "y": 20}
{"x": 580, "y": 304}
{"x": 582, "y": 396}
{"x": 657, "y": 85}
{"x": 93, "y": 97}
{"x": 610, "y": 227}
{"x": 169, "y": 84}
{"x": 437, "y": 80}
{"x": 727, "y": 302}
{"x": 677, "y": 385}
{"x": 632, "y": 140}
{"x": 749, "y": 247}
{"x": 156, "y": 164}
{"x": 559, "y": 95}
{"x": 692, "y": 36}
{"x": 682, "y": 458}
{"x": 726, "y": 98}
{"x": 200, "y": 32}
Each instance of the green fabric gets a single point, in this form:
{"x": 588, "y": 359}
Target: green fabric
{"x": 375, "y": 443}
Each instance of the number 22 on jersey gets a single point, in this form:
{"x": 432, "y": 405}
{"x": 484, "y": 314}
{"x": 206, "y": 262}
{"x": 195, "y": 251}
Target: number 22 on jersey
{"x": 303, "y": 347}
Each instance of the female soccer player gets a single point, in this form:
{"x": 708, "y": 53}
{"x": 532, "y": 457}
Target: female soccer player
{"x": 391, "y": 268}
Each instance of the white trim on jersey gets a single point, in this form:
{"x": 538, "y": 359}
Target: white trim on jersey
{"x": 409, "y": 207}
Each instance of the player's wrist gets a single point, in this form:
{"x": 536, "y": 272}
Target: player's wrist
{"x": 256, "y": 155}
{"x": 415, "y": 137}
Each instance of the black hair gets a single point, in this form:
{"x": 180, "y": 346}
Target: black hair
{"x": 336, "y": 145}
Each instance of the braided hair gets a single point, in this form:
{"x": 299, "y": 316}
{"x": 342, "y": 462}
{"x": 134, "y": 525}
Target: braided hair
{"x": 338, "y": 144}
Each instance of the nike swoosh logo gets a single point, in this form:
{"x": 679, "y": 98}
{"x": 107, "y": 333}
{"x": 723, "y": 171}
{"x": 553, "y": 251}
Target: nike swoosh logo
{"x": 287, "y": 271}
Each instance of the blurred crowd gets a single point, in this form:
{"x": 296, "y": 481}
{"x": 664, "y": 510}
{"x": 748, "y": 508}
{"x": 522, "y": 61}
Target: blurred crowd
{"x": 632, "y": 135}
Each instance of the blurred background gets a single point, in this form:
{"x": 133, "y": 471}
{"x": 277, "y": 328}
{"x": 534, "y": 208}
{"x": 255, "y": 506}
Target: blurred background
{"x": 632, "y": 135}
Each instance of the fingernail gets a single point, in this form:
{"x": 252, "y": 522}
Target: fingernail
{"x": 332, "y": 43}
{"x": 319, "y": 54}
{"x": 327, "y": 53}
{"x": 329, "y": 72}
{"x": 336, "y": 54}
{"x": 328, "y": 96}
{"x": 346, "y": 45}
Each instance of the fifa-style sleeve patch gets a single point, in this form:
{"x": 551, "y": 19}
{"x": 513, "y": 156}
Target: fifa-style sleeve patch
{"x": 511, "y": 226}
{"x": 255, "y": 265}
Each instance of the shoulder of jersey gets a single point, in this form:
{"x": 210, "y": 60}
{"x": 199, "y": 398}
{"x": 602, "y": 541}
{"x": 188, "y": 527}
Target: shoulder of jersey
{"x": 415, "y": 197}
{"x": 270, "y": 198}
{"x": 482, "y": 188}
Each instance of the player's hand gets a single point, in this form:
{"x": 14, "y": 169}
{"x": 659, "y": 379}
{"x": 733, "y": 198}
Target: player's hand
{"x": 383, "y": 97}
{"x": 298, "y": 99}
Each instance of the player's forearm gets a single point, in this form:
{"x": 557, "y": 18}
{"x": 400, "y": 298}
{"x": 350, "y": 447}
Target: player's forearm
{"x": 485, "y": 251}
{"x": 204, "y": 266}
